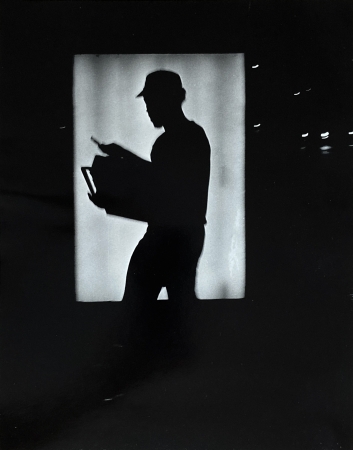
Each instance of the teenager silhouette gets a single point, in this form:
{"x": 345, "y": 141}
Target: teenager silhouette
{"x": 176, "y": 201}
{"x": 168, "y": 253}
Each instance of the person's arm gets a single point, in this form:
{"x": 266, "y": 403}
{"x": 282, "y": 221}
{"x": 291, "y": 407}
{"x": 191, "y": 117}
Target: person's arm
{"x": 116, "y": 151}
{"x": 121, "y": 179}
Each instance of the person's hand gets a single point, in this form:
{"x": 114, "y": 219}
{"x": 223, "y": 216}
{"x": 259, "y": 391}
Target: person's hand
{"x": 98, "y": 200}
{"x": 113, "y": 150}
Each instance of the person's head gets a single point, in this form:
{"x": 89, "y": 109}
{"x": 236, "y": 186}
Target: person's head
{"x": 163, "y": 94}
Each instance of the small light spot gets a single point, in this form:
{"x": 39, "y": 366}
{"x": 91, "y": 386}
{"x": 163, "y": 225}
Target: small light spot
{"x": 61, "y": 128}
{"x": 255, "y": 126}
{"x": 307, "y": 90}
{"x": 302, "y": 148}
{"x": 297, "y": 93}
{"x": 325, "y": 147}
{"x": 350, "y": 132}
{"x": 325, "y": 135}
{"x": 305, "y": 135}
{"x": 255, "y": 67}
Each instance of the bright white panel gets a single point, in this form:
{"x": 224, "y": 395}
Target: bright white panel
{"x": 105, "y": 106}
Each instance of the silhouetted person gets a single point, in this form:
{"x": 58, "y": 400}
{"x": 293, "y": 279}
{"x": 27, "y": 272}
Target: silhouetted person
{"x": 168, "y": 254}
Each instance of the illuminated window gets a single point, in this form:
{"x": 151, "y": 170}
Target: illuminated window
{"x": 105, "y": 106}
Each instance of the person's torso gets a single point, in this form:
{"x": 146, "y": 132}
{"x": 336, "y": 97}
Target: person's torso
{"x": 181, "y": 168}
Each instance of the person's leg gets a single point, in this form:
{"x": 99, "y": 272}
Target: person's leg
{"x": 185, "y": 253}
{"x": 143, "y": 284}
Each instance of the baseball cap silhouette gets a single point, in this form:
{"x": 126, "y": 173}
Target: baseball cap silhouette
{"x": 162, "y": 82}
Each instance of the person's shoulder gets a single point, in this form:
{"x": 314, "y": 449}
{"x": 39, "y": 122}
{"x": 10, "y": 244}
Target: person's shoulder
{"x": 195, "y": 127}
{"x": 198, "y": 132}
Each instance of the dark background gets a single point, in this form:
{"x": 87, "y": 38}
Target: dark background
{"x": 273, "y": 370}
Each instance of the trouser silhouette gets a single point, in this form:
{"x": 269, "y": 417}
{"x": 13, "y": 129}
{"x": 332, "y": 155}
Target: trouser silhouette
{"x": 165, "y": 257}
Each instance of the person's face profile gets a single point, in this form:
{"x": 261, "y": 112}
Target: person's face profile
{"x": 156, "y": 109}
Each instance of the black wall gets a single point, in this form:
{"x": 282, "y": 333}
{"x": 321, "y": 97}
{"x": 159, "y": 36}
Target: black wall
{"x": 298, "y": 204}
